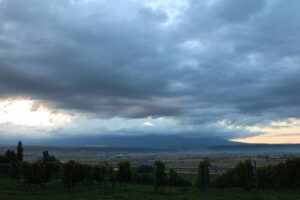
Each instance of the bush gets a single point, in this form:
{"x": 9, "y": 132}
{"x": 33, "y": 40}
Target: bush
{"x": 4, "y": 169}
{"x": 72, "y": 173}
{"x": 143, "y": 178}
{"x": 282, "y": 175}
{"x": 241, "y": 176}
{"x": 182, "y": 182}
{"x": 14, "y": 170}
{"x": 145, "y": 169}
{"x": 99, "y": 173}
{"x": 10, "y": 156}
{"x": 34, "y": 173}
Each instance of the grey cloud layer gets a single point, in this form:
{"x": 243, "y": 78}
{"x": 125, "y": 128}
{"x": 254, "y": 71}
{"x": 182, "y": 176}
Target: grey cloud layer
{"x": 230, "y": 59}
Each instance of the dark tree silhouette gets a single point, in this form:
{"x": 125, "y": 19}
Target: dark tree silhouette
{"x": 88, "y": 174}
{"x": 245, "y": 174}
{"x": 283, "y": 175}
{"x": 159, "y": 174}
{"x": 241, "y": 176}
{"x": 20, "y": 152}
{"x": 124, "y": 173}
{"x": 143, "y": 175}
{"x": 113, "y": 177}
{"x": 106, "y": 175}
{"x": 98, "y": 173}
{"x": 172, "y": 177}
{"x": 51, "y": 166}
{"x": 145, "y": 169}
{"x": 203, "y": 174}
{"x": 72, "y": 173}
{"x": 34, "y": 173}
{"x": 47, "y": 157}
{"x": 10, "y": 156}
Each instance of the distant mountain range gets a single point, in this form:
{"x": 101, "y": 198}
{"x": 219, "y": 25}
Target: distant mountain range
{"x": 205, "y": 145}
{"x": 141, "y": 141}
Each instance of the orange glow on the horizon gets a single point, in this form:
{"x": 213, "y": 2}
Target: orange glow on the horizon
{"x": 286, "y": 135}
{"x": 277, "y": 132}
{"x": 271, "y": 139}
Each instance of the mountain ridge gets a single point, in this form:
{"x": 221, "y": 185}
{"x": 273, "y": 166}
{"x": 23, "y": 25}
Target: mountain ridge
{"x": 143, "y": 141}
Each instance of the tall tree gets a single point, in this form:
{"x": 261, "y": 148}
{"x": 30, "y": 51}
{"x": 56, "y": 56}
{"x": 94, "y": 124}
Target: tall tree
{"x": 124, "y": 173}
{"x": 159, "y": 174}
{"x": 203, "y": 174}
{"x": 45, "y": 156}
{"x": 10, "y": 156}
{"x": 20, "y": 152}
{"x": 106, "y": 176}
{"x": 51, "y": 165}
{"x": 172, "y": 177}
{"x": 247, "y": 175}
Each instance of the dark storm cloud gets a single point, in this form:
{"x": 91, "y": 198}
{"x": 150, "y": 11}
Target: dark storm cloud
{"x": 230, "y": 59}
{"x": 236, "y": 10}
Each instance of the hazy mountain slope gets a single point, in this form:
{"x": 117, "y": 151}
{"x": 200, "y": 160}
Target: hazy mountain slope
{"x": 145, "y": 141}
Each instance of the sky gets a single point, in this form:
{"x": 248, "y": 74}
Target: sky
{"x": 213, "y": 68}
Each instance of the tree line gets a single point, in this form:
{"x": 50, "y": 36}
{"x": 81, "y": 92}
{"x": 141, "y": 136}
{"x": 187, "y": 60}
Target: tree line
{"x": 246, "y": 175}
{"x": 48, "y": 168}
{"x": 70, "y": 173}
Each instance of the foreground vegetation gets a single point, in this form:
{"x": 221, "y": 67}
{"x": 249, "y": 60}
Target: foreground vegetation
{"x": 48, "y": 178}
{"x": 12, "y": 190}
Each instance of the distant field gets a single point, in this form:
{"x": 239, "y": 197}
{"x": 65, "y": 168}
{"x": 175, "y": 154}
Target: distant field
{"x": 14, "y": 190}
{"x": 182, "y": 162}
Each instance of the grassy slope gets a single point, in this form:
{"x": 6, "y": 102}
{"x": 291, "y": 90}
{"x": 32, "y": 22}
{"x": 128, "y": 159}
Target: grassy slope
{"x": 10, "y": 190}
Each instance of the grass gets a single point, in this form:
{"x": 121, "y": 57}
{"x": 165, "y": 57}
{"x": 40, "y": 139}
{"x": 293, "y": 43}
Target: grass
{"x": 12, "y": 190}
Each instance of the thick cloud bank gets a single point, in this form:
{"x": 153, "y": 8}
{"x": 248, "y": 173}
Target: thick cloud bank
{"x": 218, "y": 67}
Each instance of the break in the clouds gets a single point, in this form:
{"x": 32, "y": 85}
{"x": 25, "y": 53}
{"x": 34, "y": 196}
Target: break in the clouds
{"x": 225, "y": 68}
